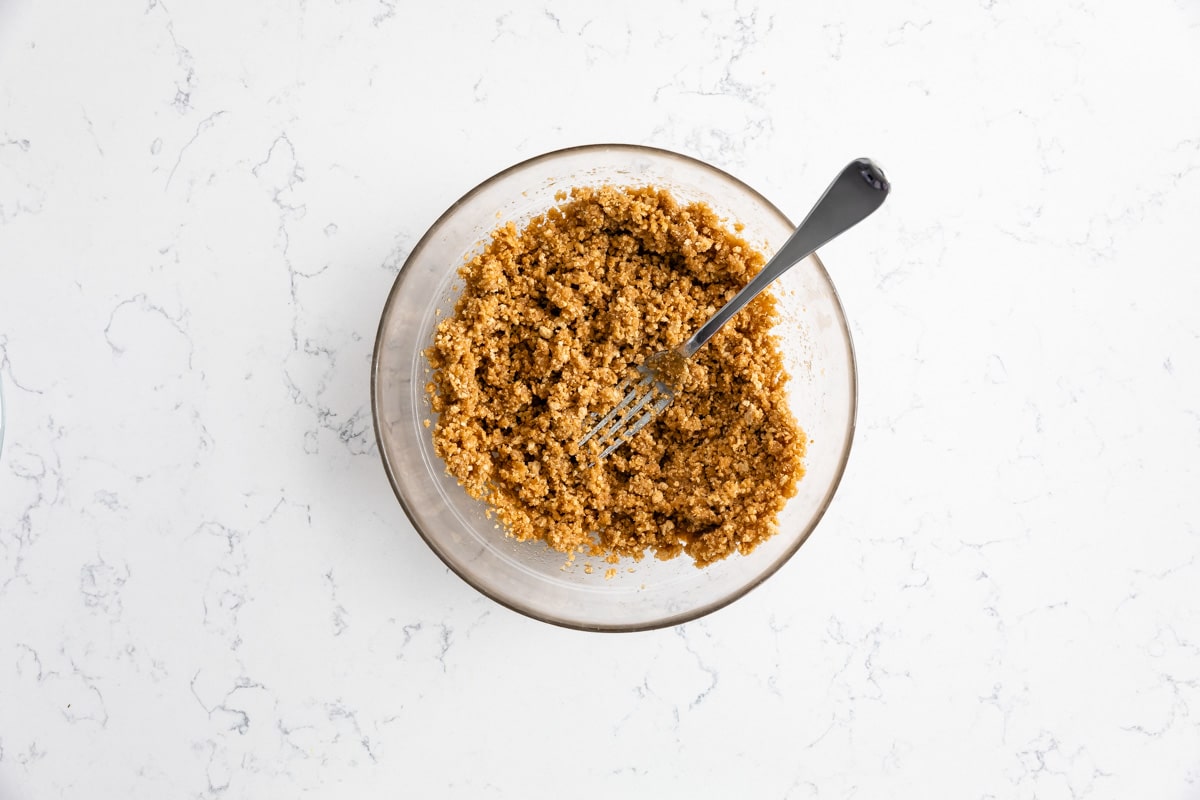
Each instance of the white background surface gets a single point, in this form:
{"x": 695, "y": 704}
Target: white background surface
{"x": 208, "y": 590}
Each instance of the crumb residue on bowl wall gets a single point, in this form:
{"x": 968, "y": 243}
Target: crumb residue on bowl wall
{"x": 549, "y": 319}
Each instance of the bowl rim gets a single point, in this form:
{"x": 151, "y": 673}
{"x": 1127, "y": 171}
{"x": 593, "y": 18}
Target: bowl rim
{"x": 675, "y": 619}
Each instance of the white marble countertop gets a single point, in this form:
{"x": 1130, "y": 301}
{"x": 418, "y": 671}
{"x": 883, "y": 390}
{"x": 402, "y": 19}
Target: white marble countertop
{"x": 207, "y": 588}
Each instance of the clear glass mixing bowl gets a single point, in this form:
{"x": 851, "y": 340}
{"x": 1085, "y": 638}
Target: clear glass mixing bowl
{"x": 529, "y": 577}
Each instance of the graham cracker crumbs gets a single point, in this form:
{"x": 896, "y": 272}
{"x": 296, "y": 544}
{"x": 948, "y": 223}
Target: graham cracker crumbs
{"x": 610, "y": 573}
{"x": 550, "y": 320}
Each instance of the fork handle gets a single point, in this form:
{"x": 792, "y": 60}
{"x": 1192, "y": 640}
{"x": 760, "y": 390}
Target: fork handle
{"x": 852, "y": 197}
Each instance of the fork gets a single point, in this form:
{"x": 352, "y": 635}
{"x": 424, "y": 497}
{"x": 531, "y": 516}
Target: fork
{"x": 855, "y": 193}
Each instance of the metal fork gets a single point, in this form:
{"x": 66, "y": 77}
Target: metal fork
{"x": 852, "y": 197}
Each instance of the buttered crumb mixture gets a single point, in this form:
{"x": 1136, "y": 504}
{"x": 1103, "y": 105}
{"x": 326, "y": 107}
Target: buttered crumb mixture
{"x": 550, "y": 321}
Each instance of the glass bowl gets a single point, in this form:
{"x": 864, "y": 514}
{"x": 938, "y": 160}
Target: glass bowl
{"x": 529, "y": 577}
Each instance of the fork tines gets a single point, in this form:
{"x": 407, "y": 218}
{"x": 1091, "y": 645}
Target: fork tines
{"x": 622, "y": 422}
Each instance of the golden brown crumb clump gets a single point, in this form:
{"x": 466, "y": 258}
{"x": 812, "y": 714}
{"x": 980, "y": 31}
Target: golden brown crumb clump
{"x": 550, "y": 320}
